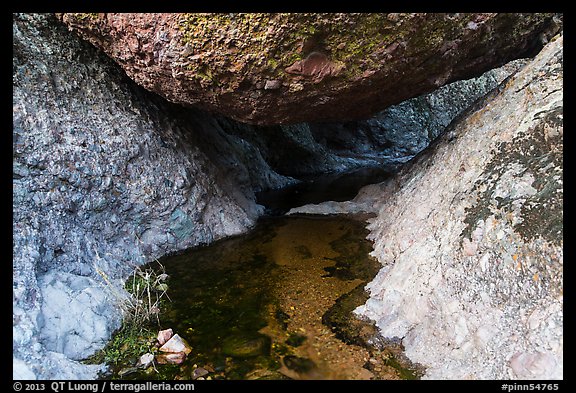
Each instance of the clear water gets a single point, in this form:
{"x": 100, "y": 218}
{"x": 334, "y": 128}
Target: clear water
{"x": 276, "y": 303}
{"x": 252, "y": 306}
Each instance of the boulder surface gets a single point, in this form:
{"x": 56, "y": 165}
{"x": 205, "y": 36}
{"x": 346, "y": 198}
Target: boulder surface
{"x": 288, "y": 68}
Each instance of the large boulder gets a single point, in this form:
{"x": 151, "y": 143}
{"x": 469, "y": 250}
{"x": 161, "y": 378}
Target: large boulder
{"x": 289, "y": 68}
{"x": 470, "y": 236}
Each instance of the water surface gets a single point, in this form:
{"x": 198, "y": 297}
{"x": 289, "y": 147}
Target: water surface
{"x": 252, "y": 306}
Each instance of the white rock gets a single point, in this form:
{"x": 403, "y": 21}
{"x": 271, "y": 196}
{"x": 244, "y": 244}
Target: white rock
{"x": 145, "y": 360}
{"x": 536, "y": 365}
{"x": 79, "y": 314}
{"x": 429, "y": 220}
{"x": 176, "y": 344}
{"x": 469, "y": 248}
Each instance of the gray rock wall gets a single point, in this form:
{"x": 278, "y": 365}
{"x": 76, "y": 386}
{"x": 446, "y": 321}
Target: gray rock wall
{"x": 470, "y": 238}
{"x": 398, "y": 133}
{"x": 106, "y": 176}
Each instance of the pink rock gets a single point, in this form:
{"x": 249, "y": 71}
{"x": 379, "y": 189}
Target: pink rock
{"x": 176, "y": 344}
{"x": 164, "y": 336}
{"x": 170, "y": 358}
{"x": 528, "y": 365}
{"x": 469, "y": 248}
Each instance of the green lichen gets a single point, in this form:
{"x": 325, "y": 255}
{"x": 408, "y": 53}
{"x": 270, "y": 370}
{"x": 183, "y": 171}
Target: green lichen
{"x": 84, "y": 17}
{"x": 268, "y": 43}
{"x": 541, "y": 214}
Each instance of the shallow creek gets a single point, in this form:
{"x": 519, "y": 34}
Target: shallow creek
{"x": 276, "y": 303}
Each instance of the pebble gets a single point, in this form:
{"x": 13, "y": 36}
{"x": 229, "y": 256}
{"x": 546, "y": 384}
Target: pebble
{"x": 127, "y": 370}
{"x": 199, "y": 373}
{"x": 145, "y": 360}
{"x": 171, "y": 358}
{"x": 272, "y": 84}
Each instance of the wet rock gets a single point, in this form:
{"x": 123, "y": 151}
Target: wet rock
{"x": 176, "y": 344}
{"x": 127, "y": 371}
{"x": 199, "y": 372}
{"x": 298, "y": 364}
{"x": 295, "y": 339}
{"x": 243, "y": 346}
{"x": 272, "y": 84}
{"x": 363, "y": 58}
{"x": 171, "y": 358}
{"x": 262, "y": 374}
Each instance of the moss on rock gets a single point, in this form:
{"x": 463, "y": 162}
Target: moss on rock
{"x": 223, "y": 61}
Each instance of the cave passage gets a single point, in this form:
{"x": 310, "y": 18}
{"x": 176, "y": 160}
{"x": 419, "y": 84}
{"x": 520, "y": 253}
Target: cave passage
{"x": 339, "y": 187}
{"x": 265, "y": 305}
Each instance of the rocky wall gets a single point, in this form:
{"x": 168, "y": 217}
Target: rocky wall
{"x": 106, "y": 176}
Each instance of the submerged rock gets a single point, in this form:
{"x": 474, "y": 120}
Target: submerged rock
{"x": 199, "y": 372}
{"x": 266, "y": 375}
{"x": 288, "y": 68}
{"x": 243, "y": 346}
{"x": 127, "y": 371}
{"x": 470, "y": 238}
{"x": 298, "y": 364}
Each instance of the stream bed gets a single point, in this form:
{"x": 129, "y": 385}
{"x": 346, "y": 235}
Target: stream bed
{"x": 276, "y": 303}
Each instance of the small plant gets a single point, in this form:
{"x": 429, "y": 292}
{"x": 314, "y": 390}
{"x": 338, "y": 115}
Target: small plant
{"x": 130, "y": 342}
{"x": 148, "y": 289}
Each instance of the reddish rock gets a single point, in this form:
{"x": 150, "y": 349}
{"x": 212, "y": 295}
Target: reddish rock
{"x": 164, "y": 336}
{"x": 325, "y": 67}
{"x": 316, "y": 65}
{"x": 171, "y": 358}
